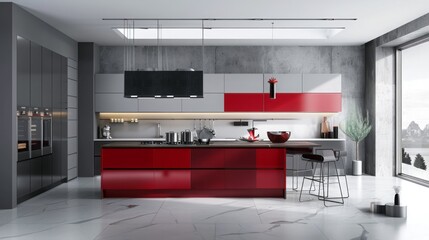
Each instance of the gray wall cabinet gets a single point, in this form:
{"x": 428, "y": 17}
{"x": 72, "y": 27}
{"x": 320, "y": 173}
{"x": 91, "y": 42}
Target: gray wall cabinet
{"x": 35, "y": 75}
{"x": 23, "y": 72}
{"x": 243, "y": 83}
{"x": 214, "y": 83}
{"x": 109, "y": 83}
{"x": 287, "y": 83}
{"x": 46, "y": 78}
{"x": 160, "y": 105}
{"x": 114, "y": 102}
{"x": 322, "y": 83}
{"x": 212, "y": 102}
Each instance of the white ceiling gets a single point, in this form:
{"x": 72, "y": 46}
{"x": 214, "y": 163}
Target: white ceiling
{"x": 82, "y": 19}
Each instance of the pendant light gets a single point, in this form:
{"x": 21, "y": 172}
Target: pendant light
{"x": 272, "y": 81}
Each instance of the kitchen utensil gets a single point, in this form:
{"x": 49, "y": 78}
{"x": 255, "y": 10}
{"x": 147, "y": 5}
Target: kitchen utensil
{"x": 187, "y": 137}
{"x": 278, "y": 136}
{"x": 172, "y": 137}
{"x": 252, "y": 132}
{"x": 106, "y": 132}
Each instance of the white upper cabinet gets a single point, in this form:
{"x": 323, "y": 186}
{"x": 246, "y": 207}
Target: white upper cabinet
{"x": 214, "y": 83}
{"x": 322, "y": 83}
{"x": 244, "y": 83}
{"x": 109, "y": 83}
{"x": 287, "y": 83}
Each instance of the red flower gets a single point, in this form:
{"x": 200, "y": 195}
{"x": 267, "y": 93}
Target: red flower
{"x": 273, "y": 80}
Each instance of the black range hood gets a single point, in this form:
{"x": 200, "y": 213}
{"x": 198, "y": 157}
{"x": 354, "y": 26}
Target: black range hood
{"x": 163, "y": 84}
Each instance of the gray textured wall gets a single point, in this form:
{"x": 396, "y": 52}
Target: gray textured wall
{"x": 349, "y": 61}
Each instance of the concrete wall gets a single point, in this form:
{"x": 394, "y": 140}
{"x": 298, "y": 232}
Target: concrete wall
{"x": 380, "y": 94}
{"x": 348, "y": 61}
{"x": 14, "y": 21}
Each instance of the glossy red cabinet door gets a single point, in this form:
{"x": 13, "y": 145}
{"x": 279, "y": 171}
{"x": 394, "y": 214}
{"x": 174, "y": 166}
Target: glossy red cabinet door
{"x": 172, "y": 179}
{"x": 207, "y": 179}
{"x": 303, "y": 102}
{"x": 270, "y": 179}
{"x": 172, "y": 157}
{"x": 240, "y": 179}
{"x": 127, "y": 158}
{"x": 244, "y": 102}
{"x": 207, "y": 158}
{"x": 127, "y": 179}
{"x": 240, "y": 158}
{"x": 270, "y": 158}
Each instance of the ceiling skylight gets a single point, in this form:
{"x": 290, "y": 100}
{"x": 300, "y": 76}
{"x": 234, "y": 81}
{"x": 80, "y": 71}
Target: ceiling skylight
{"x": 228, "y": 33}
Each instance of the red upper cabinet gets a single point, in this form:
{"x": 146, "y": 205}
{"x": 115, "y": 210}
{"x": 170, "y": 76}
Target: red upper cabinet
{"x": 303, "y": 102}
{"x": 244, "y": 102}
{"x": 172, "y": 157}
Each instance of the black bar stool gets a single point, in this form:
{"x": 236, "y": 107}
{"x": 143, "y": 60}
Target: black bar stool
{"x": 326, "y": 160}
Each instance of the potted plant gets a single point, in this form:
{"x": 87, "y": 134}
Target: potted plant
{"x": 356, "y": 127}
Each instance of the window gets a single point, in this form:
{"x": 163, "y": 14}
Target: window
{"x": 413, "y": 110}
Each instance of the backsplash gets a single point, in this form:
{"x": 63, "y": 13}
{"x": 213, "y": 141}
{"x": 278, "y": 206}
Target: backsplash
{"x": 300, "y": 128}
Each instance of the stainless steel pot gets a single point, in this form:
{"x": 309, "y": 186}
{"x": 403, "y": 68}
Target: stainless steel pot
{"x": 186, "y": 137}
{"x": 172, "y": 138}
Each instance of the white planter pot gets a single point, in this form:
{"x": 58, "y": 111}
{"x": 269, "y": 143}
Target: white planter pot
{"x": 357, "y": 167}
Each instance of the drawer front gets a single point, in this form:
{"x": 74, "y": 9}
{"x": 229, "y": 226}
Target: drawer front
{"x": 172, "y": 158}
{"x": 271, "y": 158}
{"x": 240, "y": 158}
{"x": 207, "y": 158}
{"x": 172, "y": 179}
{"x": 127, "y": 179}
{"x": 271, "y": 179}
{"x": 240, "y": 179}
{"x": 208, "y": 179}
{"x": 127, "y": 158}
{"x": 244, "y": 102}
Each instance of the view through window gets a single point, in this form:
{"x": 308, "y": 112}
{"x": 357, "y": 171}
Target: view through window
{"x": 415, "y": 111}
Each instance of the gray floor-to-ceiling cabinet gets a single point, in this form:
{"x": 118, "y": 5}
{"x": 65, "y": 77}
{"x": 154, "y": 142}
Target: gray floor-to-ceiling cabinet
{"x": 42, "y": 86}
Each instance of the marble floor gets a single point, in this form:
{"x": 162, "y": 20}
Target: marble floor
{"x": 75, "y": 211}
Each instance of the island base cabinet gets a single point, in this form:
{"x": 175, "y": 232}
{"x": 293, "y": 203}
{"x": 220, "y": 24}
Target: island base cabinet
{"x": 197, "y": 172}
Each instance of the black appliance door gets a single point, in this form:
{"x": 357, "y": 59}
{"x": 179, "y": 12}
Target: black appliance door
{"x": 23, "y": 138}
{"x": 36, "y": 137}
{"x": 47, "y": 136}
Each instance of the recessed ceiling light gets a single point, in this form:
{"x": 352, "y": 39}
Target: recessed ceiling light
{"x": 229, "y": 33}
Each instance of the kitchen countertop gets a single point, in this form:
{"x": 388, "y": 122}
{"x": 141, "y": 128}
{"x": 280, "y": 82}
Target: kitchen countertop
{"x": 213, "y": 140}
{"x": 235, "y": 144}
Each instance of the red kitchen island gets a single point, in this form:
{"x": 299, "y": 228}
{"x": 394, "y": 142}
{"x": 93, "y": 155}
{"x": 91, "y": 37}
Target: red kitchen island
{"x": 220, "y": 169}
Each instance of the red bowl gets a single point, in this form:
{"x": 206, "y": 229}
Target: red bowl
{"x": 278, "y": 136}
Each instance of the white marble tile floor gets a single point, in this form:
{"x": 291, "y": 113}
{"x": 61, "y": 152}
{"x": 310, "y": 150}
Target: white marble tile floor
{"x": 75, "y": 211}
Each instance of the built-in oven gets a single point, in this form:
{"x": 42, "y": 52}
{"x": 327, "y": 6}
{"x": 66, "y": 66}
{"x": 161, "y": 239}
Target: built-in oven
{"x": 36, "y": 133}
{"x": 23, "y": 124}
{"x": 47, "y": 132}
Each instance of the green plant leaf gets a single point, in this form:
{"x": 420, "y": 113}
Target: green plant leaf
{"x": 355, "y": 126}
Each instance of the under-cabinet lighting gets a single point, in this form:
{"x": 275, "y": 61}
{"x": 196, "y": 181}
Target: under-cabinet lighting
{"x": 230, "y": 33}
{"x": 215, "y": 115}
